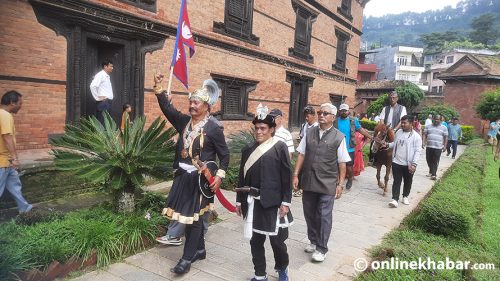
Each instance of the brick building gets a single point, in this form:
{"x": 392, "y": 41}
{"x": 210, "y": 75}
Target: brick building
{"x": 283, "y": 53}
{"x": 466, "y": 81}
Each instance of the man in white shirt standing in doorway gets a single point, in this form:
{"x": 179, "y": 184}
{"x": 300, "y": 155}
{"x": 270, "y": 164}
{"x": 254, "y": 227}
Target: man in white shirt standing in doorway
{"x": 102, "y": 90}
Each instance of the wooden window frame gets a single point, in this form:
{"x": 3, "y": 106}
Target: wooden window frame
{"x": 231, "y": 27}
{"x": 148, "y": 5}
{"x": 341, "y": 63}
{"x": 245, "y": 86}
{"x": 302, "y": 48}
{"x": 345, "y": 9}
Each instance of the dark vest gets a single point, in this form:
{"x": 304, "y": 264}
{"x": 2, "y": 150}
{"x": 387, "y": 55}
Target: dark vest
{"x": 352, "y": 139}
{"x": 319, "y": 170}
{"x": 396, "y": 115}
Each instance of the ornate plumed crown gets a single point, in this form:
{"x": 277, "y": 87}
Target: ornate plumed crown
{"x": 209, "y": 93}
{"x": 262, "y": 116}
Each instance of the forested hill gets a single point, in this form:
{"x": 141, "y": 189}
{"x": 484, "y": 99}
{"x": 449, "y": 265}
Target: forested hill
{"x": 405, "y": 28}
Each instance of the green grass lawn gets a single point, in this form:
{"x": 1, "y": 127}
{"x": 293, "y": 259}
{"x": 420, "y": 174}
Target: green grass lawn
{"x": 459, "y": 220}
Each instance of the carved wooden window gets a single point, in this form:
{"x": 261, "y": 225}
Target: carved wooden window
{"x": 345, "y": 9}
{"x": 341, "y": 57}
{"x": 149, "y": 5}
{"x": 235, "y": 93}
{"x": 238, "y": 19}
{"x": 303, "y": 32}
{"x": 336, "y": 99}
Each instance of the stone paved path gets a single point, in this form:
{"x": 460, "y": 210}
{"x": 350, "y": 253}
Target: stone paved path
{"x": 360, "y": 219}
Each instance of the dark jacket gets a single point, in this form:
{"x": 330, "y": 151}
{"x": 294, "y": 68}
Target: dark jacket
{"x": 275, "y": 176}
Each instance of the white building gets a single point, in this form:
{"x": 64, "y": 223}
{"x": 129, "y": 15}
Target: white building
{"x": 436, "y": 63}
{"x": 399, "y": 63}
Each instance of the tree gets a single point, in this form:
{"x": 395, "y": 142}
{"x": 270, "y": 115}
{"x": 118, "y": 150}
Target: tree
{"x": 489, "y": 105}
{"x": 378, "y": 104}
{"x": 410, "y": 95}
{"x": 119, "y": 160}
{"x": 447, "y": 111}
{"x": 434, "y": 42}
{"x": 484, "y": 30}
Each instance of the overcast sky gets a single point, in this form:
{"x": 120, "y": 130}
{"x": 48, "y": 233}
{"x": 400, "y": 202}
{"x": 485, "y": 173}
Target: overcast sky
{"x": 378, "y": 8}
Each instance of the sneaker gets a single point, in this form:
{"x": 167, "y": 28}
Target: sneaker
{"x": 310, "y": 248}
{"x": 169, "y": 240}
{"x": 406, "y": 201}
{"x": 448, "y": 154}
{"x": 259, "y": 278}
{"x": 453, "y": 157}
{"x": 318, "y": 256}
{"x": 283, "y": 275}
{"x": 433, "y": 178}
{"x": 429, "y": 175}
{"x": 393, "y": 203}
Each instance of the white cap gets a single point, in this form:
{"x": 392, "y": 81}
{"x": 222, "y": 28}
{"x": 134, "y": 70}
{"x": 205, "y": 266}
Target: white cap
{"x": 344, "y": 106}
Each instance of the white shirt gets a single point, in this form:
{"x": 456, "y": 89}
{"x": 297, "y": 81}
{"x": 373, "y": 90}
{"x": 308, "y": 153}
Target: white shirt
{"x": 284, "y": 135}
{"x": 305, "y": 127}
{"x": 389, "y": 119}
{"x": 428, "y": 122}
{"x": 101, "y": 86}
{"x": 342, "y": 154}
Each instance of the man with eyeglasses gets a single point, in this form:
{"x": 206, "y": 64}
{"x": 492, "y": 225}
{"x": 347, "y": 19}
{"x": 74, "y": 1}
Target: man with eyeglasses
{"x": 321, "y": 164}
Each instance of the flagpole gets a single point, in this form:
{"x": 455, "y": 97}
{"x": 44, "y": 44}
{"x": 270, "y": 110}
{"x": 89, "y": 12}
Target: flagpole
{"x": 170, "y": 79}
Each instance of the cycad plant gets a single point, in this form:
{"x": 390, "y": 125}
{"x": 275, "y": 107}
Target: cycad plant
{"x": 119, "y": 160}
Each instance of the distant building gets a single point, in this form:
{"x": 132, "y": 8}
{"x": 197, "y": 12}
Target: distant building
{"x": 368, "y": 92}
{"x": 398, "y": 63}
{"x": 366, "y": 71}
{"x": 438, "y": 62}
{"x": 466, "y": 81}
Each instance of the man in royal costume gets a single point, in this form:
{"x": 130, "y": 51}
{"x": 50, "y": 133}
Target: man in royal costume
{"x": 201, "y": 139}
{"x": 266, "y": 172}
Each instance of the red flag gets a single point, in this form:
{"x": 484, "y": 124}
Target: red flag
{"x": 184, "y": 37}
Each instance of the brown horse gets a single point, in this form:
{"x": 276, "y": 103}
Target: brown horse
{"x": 383, "y": 156}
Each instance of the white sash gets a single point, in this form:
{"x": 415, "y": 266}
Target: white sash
{"x": 258, "y": 152}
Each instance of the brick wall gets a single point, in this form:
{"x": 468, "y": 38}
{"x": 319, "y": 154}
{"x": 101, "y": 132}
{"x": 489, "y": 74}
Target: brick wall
{"x": 464, "y": 96}
{"x": 31, "y": 50}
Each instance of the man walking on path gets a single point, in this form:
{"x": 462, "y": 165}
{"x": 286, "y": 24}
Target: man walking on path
{"x": 321, "y": 164}
{"x": 9, "y": 163}
{"x": 435, "y": 138}
{"x": 265, "y": 169}
{"x": 102, "y": 91}
{"x": 281, "y": 133}
{"x": 428, "y": 121}
{"x": 406, "y": 153}
{"x": 454, "y": 135}
{"x": 349, "y": 126}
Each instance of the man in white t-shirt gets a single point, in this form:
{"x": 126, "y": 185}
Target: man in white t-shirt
{"x": 281, "y": 133}
{"x": 102, "y": 91}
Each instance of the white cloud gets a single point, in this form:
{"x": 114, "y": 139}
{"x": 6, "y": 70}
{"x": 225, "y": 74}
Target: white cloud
{"x": 381, "y": 7}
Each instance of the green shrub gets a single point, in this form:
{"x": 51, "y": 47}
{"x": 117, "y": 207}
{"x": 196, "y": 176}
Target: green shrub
{"x": 151, "y": 201}
{"x": 232, "y": 177}
{"x": 467, "y": 133}
{"x": 37, "y": 216}
{"x": 447, "y": 111}
{"x": 368, "y": 124}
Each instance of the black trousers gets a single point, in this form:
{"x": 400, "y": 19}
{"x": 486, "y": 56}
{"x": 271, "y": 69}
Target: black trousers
{"x": 102, "y": 106}
{"x": 452, "y": 144}
{"x": 401, "y": 173}
{"x": 432, "y": 156}
{"x": 194, "y": 239}
{"x": 279, "y": 249}
{"x": 318, "y": 214}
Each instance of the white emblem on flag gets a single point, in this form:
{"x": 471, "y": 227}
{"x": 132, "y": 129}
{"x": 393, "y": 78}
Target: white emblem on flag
{"x": 186, "y": 32}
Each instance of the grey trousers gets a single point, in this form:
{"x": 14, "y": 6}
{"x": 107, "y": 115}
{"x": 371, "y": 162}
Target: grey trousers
{"x": 177, "y": 229}
{"x": 318, "y": 214}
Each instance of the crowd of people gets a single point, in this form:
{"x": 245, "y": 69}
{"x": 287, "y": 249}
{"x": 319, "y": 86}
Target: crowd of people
{"x": 267, "y": 179}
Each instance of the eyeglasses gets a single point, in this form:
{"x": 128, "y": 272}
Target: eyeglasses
{"x": 324, "y": 113}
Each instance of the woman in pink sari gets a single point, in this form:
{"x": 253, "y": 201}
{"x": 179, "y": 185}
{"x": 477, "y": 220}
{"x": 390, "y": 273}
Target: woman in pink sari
{"x": 359, "y": 164}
